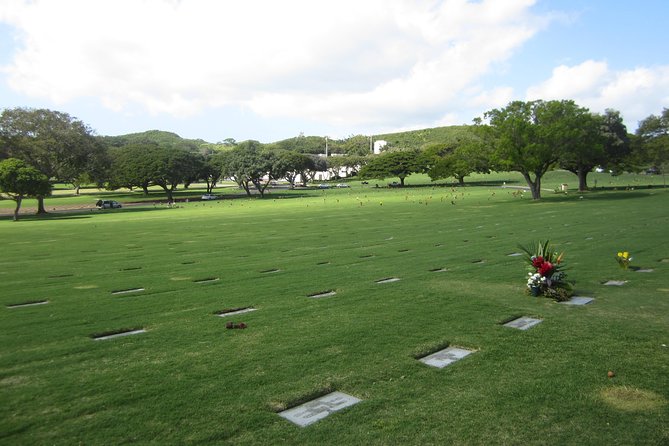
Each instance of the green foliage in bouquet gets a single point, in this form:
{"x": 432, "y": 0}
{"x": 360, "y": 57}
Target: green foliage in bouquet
{"x": 547, "y": 275}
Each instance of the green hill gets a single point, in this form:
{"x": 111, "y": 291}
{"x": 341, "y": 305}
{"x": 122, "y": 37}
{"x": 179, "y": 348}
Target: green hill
{"x": 423, "y": 137}
{"x": 162, "y": 138}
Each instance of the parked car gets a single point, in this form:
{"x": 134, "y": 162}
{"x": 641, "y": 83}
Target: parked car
{"x": 341, "y": 185}
{"x": 209, "y": 197}
{"x": 108, "y": 204}
{"x": 324, "y": 186}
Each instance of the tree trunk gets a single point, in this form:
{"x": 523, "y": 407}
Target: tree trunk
{"x": 145, "y": 188}
{"x": 40, "y": 205}
{"x": 19, "y": 199}
{"x": 401, "y": 181}
{"x": 582, "y": 180}
{"x": 76, "y": 189}
{"x": 535, "y": 186}
{"x": 245, "y": 186}
{"x": 461, "y": 180}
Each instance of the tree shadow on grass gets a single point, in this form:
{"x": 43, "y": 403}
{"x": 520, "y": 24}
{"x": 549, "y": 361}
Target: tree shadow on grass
{"x": 77, "y": 214}
{"x": 481, "y": 183}
{"x": 585, "y": 196}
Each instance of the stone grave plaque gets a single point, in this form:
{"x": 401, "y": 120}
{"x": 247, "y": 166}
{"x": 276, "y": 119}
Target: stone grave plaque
{"x": 323, "y": 294}
{"x": 29, "y": 304}
{"x": 645, "y": 270}
{"x": 515, "y": 254}
{"x": 389, "y": 280}
{"x": 314, "y": 410}
{"x": 207, "y": 280}
{"x": 445, "y": 357}
{"x": 578, "y": 300}
{"x": 118, "y": 335}
{"x": 615, "y": 282}
{"x": 235, "y": 312}
{"x": 130, "y": 290}
{"x": 523, "y": 323}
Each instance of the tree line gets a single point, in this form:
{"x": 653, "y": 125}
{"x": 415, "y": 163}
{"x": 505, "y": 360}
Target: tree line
{"x": 40, "y": 147}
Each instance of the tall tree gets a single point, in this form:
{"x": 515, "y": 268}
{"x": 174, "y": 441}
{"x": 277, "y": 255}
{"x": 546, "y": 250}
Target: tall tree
{"x": 458, "y": 160}
{"x": 617, "y": 141}
{"x": 585, "y": 142}
{"x": 248, "y": 164}
{"x": 531, "y": 137}
{"x": 212, "y": 169}
{"x": 398, "y": 164}
{"x": 316, "y": 164}
{"x": 173, "y": 166}
{"x": 59, "y": 146}
{"x": 19, "y": 180}
{"x": 132, "y": 166}
{"x": 653, "y": 136}
{"x": 292, "y": 164}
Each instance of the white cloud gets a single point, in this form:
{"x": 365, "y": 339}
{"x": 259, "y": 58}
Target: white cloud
{"x": 636, "y": 93}
{"x": 373, "y": 62}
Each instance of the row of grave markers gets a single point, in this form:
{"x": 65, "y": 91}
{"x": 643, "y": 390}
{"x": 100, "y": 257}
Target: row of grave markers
{"x": 319, "y": 408}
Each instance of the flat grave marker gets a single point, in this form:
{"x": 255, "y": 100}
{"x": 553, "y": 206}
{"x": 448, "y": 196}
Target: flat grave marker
{"x": 445, "y": 357}
{"x": 29, "y": 304}
{"x": 318, "y": 295}
{"x": 388, "y": 280}
{"x": 118, "y": 335}
{"x": 207, "y": 280}
{"x": 515, "y": 254}
{"x": 270, "y": 271}
{"x": 615, "y": 282}
{"x": 523, "y": 323}
{"x": 645, "y": 270}
{"x": 438, "y": 270}
{"x": 129, "y": 290}
{"x": 319, "y": 408}
{"x": 578, "y": 300}
{"x": 235, "y": 311}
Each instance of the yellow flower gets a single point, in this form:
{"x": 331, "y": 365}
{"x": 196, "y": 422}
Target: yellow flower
{"x": 626, "y": 254}
{"x": 620, "y": 254}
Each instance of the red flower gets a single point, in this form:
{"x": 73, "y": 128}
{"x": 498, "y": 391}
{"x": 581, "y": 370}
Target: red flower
{"x": 537, "y": 261}
{"x": 545, "y": 269}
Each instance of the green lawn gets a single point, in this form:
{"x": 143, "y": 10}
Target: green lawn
{"x": 188, "y": 380}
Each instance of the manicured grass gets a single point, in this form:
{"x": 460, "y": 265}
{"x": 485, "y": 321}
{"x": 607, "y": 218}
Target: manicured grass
{"x": 188, "y": 380}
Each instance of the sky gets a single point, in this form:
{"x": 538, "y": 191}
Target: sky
{"x": 270, "y": 70}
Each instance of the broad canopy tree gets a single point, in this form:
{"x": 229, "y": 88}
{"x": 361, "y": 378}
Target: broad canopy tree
{"x": 532, "y": 137}
{"x": 597, "y": 140}
{"x": 653, "y": 137}
{"x": 19, "y": 180}
{"x": 59, "y": 146}
{"x": 249, "y": 164}
{"x": 398, "y": 164}
{"x": 292, "y": 164}
{"x": 458, "y": 160}
{"x": 143, "y": 165}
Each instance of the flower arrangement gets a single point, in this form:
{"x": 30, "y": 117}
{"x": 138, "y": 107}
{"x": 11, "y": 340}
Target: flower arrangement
{"x": 624, "y": 259}
{"x": 546, "y": 277}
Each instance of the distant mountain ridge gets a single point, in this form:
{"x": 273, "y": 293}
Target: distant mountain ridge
{"x": 307, "y": 144}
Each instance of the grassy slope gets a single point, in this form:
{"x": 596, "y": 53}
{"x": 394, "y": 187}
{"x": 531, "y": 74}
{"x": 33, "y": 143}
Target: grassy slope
{"x": 188, "y": 380}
